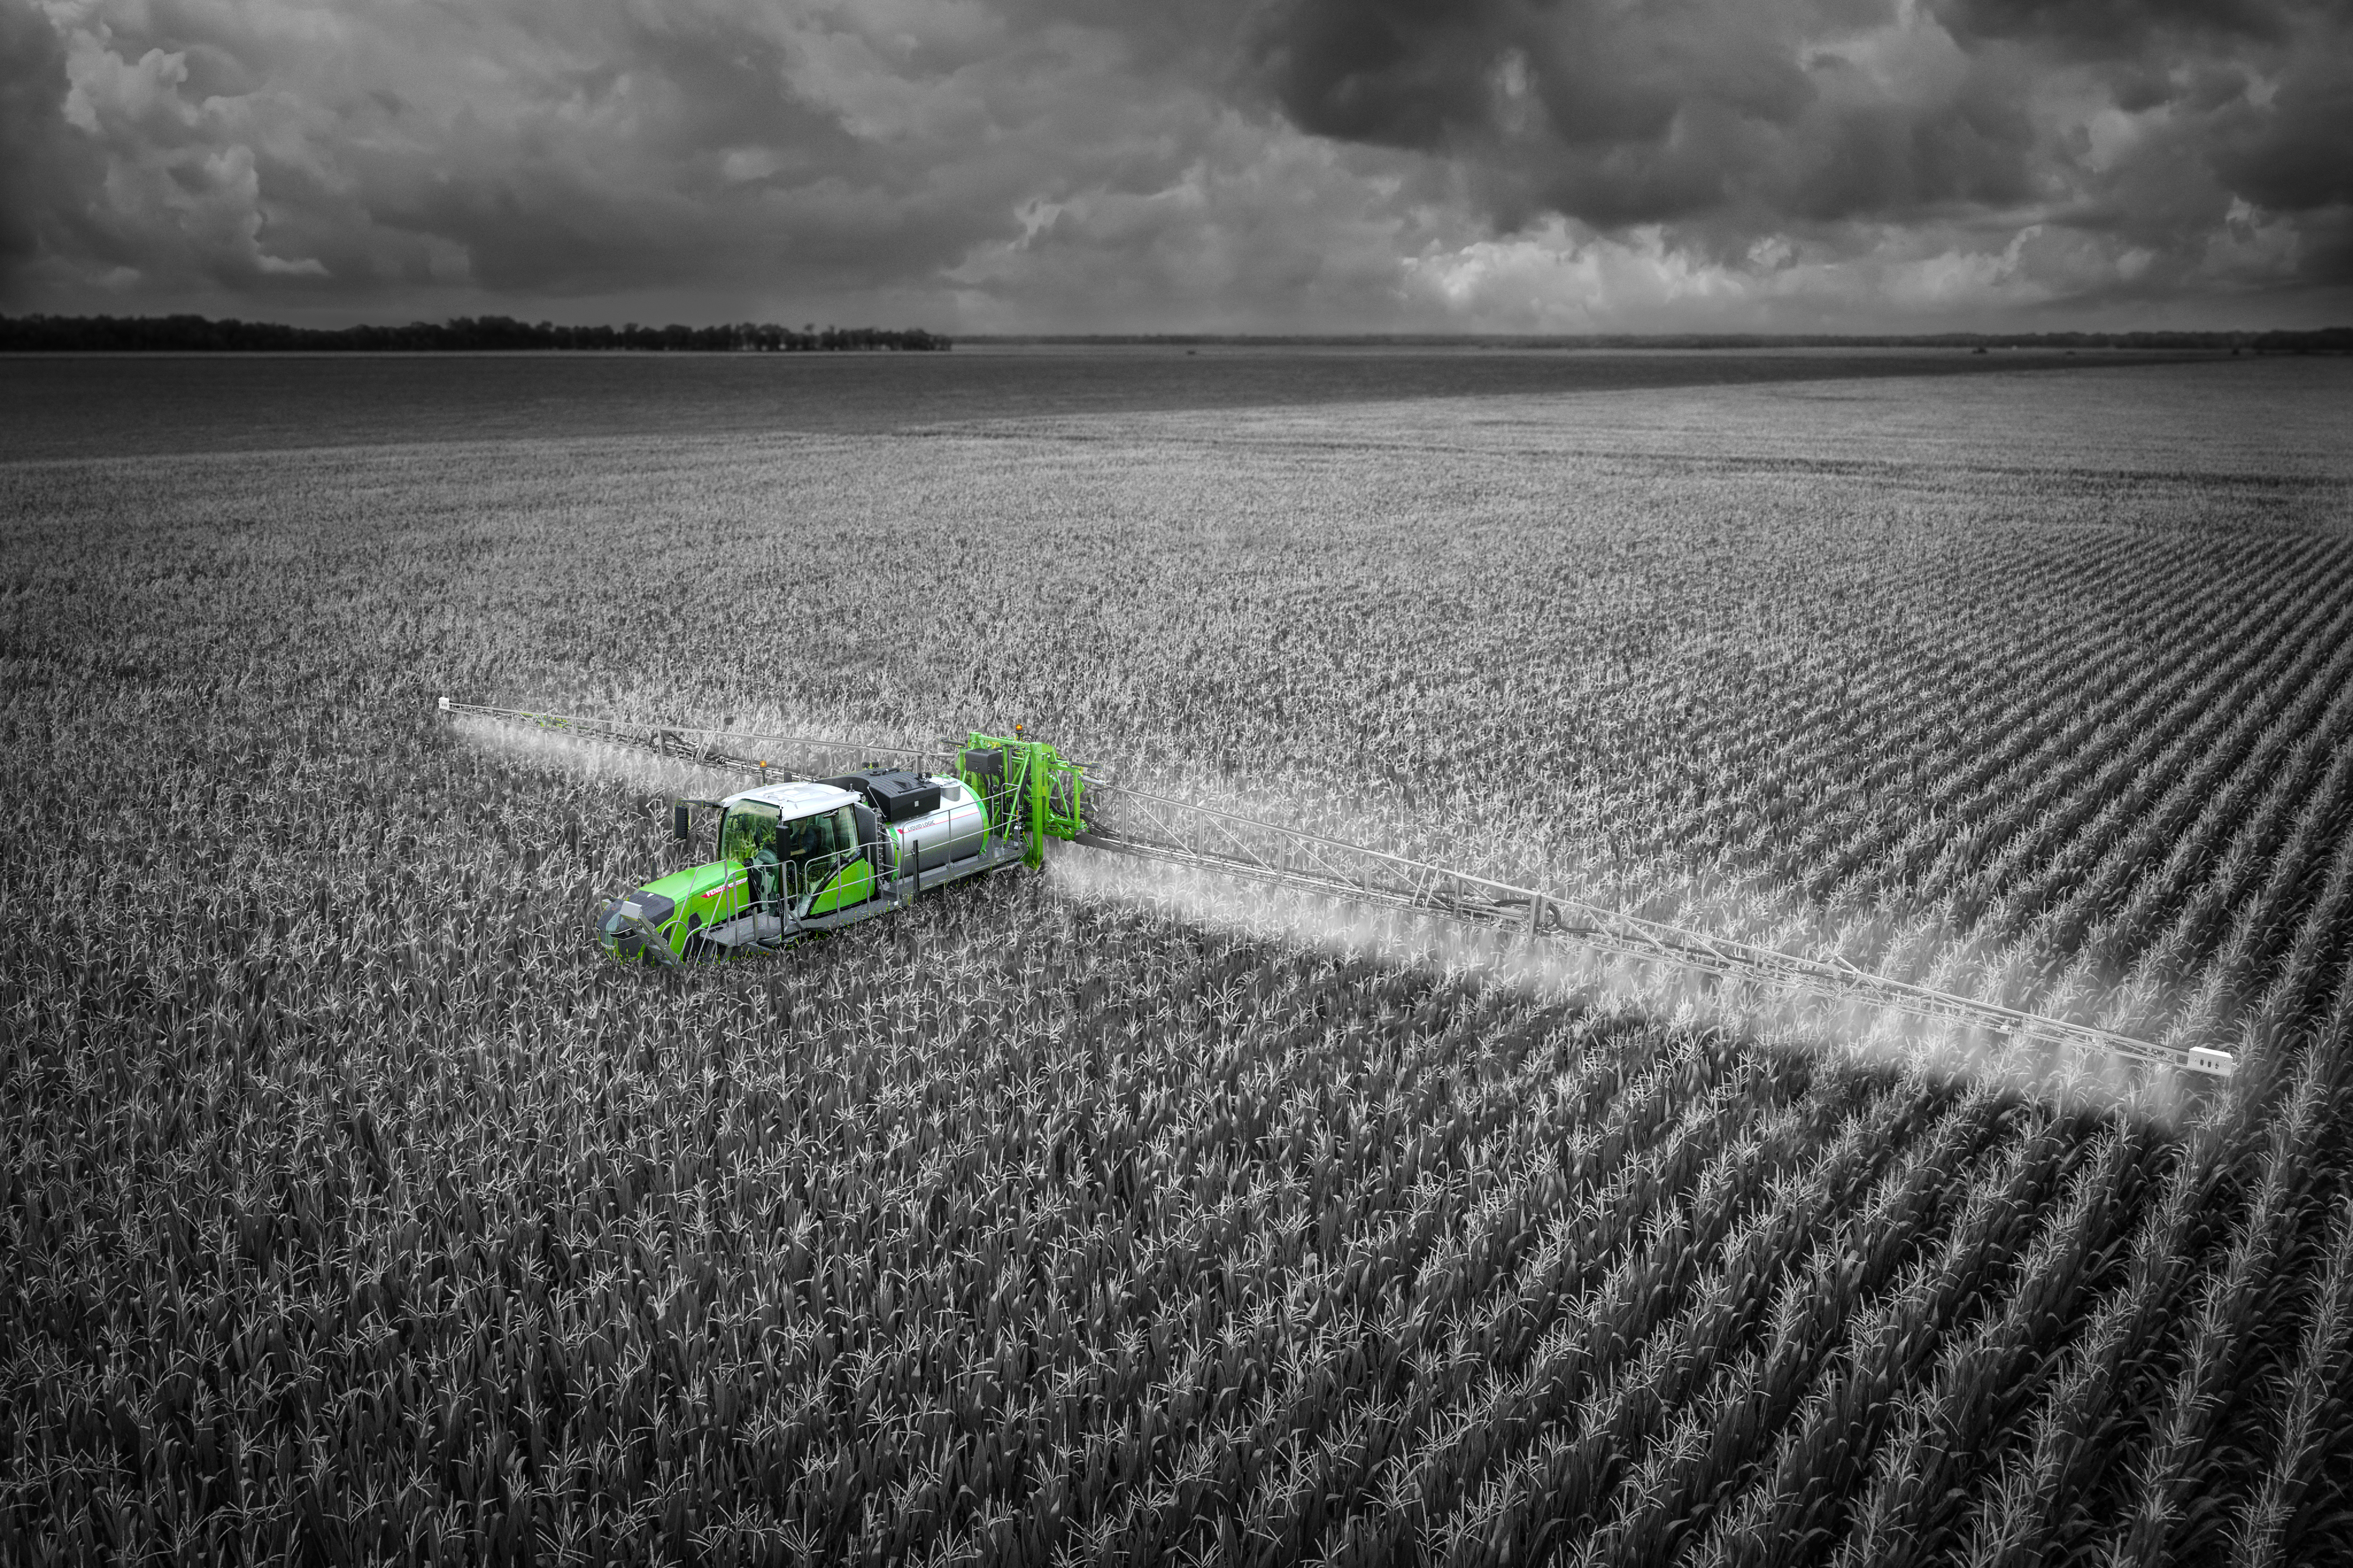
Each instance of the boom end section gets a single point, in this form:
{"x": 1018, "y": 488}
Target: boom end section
{"x": 2210, "y": 1063}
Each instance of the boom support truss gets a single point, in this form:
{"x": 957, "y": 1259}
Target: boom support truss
{"x": 1180, "y": 833}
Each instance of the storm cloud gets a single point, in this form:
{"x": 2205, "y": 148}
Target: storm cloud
{"x": 1303, "y": 164}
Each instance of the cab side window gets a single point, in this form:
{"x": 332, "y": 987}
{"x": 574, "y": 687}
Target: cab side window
{"x": 823, "y": 838}
{"x": 800, "y": 838}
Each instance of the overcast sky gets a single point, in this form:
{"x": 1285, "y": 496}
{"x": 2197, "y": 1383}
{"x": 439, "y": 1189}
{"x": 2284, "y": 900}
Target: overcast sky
{"x": 1322, "y": 165}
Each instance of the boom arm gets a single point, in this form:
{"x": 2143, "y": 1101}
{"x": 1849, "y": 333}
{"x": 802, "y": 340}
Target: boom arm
{"x": 1181, "y": 834}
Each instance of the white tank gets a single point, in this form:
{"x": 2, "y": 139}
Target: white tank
{"x": 957, "y": 830}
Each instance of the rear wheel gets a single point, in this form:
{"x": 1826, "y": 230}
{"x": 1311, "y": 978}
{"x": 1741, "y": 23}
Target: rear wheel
{"x": 697, "y": 947}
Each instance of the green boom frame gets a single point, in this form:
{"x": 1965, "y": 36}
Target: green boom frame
{"x": 1027, "y": 788}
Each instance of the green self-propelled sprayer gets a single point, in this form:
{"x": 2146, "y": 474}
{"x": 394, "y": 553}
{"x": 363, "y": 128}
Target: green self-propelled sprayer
{"x": 798, "y": 855}
{"x": 802, "y": 856}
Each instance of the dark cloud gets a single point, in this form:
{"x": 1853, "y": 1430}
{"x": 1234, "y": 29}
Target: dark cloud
{"x": 2296, "y": 153}
{"x": 1331, "y": 165}
{"x": 32, "y": 102}
{"x": 1729, "y": 121}
{"x": 1405, "y": 73}
{"x": 1630, "y": 115}
{"x": 730, "y": 152}
{"x": 2106, "y": 29}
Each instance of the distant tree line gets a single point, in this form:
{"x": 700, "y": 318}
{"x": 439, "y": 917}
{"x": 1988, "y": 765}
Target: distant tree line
{"x": 181, "y": 334}
{"x": 2321, "y": 340}
{"x": 2324, "y": 340}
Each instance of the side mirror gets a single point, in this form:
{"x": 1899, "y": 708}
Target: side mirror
{"x": 681, "y": 827}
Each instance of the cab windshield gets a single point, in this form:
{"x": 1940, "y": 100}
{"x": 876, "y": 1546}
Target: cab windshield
{"x": 748, "y": 829}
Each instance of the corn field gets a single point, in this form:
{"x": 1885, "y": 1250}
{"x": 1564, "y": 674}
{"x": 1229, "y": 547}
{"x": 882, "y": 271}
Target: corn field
{"x": 351, "y": 1207}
